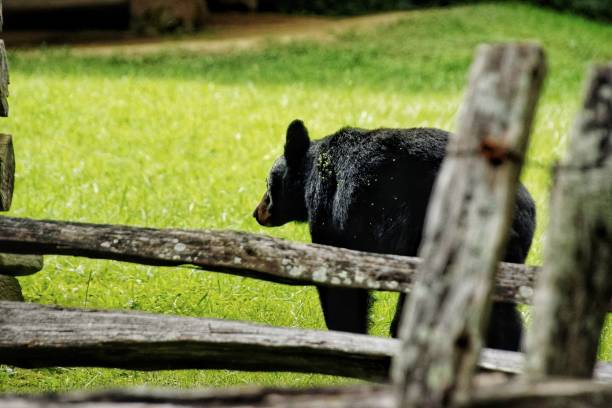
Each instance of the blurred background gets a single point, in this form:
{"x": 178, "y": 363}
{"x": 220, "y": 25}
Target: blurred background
{"x": 56, "y": 21}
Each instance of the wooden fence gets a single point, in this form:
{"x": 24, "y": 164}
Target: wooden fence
{"x": 436, "y": 361}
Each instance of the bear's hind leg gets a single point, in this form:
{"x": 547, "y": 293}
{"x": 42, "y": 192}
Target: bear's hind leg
{"x": 398, "y": 315}
{"x": 505, "y": 326}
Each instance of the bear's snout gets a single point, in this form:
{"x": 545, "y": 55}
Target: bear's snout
{"x": 262, "y": 213}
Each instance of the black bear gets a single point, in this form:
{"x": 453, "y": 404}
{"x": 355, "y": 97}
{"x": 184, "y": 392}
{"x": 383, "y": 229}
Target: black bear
{"x": 368, "y": 190}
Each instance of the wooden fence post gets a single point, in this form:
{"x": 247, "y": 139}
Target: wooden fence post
{"x": 4, "y": 80}
{"x": 9, "y": 285}
{"x": 576, "y": 282}
{"x": 7, "y": 172}
{"x": 466, "y": 228}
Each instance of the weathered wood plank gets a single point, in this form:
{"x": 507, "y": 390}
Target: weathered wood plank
{"x": 466, "y": 228}
{"x": 237, "y": 253}
{"x": 20, "y": 265}
{"x": 10, "y": 289}
{"x": 549, "y": 394}
{"x": 544, "y": 394}
{"x": 576, "y": 284}
{"x": 354, "y": 397}
{"x": 7, "y": 171}
{"x": 4, "y": 81}
{"x": 43, "y": 336}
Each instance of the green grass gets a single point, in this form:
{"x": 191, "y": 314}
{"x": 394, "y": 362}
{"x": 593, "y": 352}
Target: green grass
{"x": 186, "y": 140}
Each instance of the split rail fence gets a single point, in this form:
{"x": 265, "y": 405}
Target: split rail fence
{"x": 439, "y": 358}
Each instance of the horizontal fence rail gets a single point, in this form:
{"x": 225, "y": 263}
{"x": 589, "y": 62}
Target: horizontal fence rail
{"x": 545, "y": 394}
{"x": 35, "y": 336}
{"x": 238, "y": 253}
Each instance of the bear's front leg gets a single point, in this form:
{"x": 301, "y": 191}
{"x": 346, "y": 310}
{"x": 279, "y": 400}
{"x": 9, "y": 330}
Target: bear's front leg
{"x": 345, "y": 309}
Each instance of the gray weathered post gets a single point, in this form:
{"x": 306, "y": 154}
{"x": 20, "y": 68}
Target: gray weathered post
{"x": 466, "y": 228}
{"x": 4, "y": 80}
{"x": 576, "y": 282}
{"x": 4, "y": 73}
{"x": 7, "y": 157}
{"x": 9, "y": 286}
{"x": 7, "y": 172}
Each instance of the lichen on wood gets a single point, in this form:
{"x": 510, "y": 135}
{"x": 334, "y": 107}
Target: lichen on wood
{"x": 238, "y": 253}
{"x": 574, "y": 290}
{"x": 466, "y": 228}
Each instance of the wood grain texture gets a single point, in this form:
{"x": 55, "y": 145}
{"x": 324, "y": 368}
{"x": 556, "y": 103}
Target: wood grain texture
{"x": 466, "y": 228}
{"x": 7, "y": 171}
{"x": 237, "y": 253}
{"x": 4, "y": 81}
{"x": 549, "y": 394}
{"x": 43, "y": 336}
{"x": 354, "y": 397}
{"x": 10, "y": 289}
{"x": 576, "y": 283}
{"x": 20, "y": 265}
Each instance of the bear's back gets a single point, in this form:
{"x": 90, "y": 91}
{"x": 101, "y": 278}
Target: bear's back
{"x": 368, "y": 189}
{"x": 425, "y": 144}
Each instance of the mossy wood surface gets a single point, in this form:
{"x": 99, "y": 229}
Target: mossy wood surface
{"x": 10, "y": 289}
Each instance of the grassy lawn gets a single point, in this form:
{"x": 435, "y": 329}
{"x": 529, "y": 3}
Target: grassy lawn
{"x": 185, "y": 140}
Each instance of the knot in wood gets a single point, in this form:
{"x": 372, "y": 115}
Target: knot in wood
{"x": 497, "y": 152}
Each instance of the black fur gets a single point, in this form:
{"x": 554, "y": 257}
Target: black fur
{"x": 368, "y": 190}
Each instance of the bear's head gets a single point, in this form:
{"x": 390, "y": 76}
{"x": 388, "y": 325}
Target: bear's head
{"x": 284, "y": 199}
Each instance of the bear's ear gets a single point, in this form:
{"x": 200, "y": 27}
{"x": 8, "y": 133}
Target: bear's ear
{"x": 297, "y": 143}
